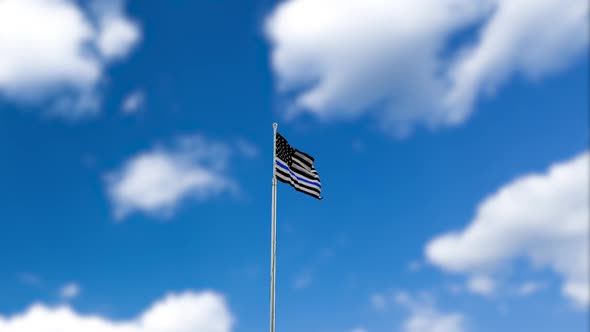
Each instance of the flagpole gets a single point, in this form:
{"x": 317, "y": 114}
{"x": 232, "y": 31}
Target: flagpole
{"x": 273, "y": 241}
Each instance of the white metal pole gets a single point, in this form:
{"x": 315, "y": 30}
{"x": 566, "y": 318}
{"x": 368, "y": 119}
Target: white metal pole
{"x": 273, "y": 241}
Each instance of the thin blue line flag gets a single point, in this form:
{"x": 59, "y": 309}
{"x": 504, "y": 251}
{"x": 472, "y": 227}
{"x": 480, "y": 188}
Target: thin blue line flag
{"x": 296, "y": 168}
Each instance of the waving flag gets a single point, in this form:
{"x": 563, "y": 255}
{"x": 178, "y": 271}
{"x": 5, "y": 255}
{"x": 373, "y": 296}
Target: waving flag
{"x": 296, "y": 168}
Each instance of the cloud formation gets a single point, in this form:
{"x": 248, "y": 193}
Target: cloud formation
{"x": 481, "y": 285}
{"x": 425, "y": 317}
{"x": 187, "y": 312}
{"x": 303, "y": 280}
{"x": 133, "y": 102}
{"x": 529, "y": 288}
{"x": 407, "y": 62}
{"x": 359, "y": 329}
{"x": 155, "y": 181}
{"x": 539, "y": 217}
{"x": 378, "y": 302}
{"x": 70, "y": 291}
{"x": 58, "y": 51}
{"x": 30, "y": 279}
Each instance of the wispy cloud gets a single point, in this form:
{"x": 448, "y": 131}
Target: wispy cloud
{"x": 529, "y": 288}
{"x": 302, "y": 280}
{"x": 30, "y": 279}
{"x": 425, "y": 317}
{"x": 133, "y": 102}
{"x": 378, "y": 301}
{"x": 70, "y": 291}
{"x": 481, "y": 285}
{"x": 247, "y": 148}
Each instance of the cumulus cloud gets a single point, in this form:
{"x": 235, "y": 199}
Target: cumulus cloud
{"x": 526, "y": 37}
{"x": 542, "y": 218}
{"x": 425, "y": 317}
{"x": 116, "y": 32}
{"x": 70, "y": 291}
{"x": 155, "y": 181}
{"x": 187, "y": 312}
{"x": 58, "y": 50}
{"x": 402, "y": 60}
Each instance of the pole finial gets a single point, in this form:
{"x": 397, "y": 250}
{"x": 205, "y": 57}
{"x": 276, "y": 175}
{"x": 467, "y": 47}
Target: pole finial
{"x": 275, "y": 125}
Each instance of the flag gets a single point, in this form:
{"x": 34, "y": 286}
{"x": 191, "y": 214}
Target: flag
{"x": 295, "y": 167}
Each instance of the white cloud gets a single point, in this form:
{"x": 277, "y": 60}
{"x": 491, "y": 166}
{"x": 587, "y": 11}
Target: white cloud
{"x": 70, "y": 291}
{"x": 155, "y": 181}
{"x": 425, "y": 317}
{"x": 343, "y": 58}
{"x": 540, "y": 217}
{"x": 187, "y": 312}
{"x": 529, "y": 288}
{"x": 358, "y": 329}
{"x": 527, "y": 37}
{"x": 53, "y": 50}
{"x": 133, "y": 102}
{"x": 30, "y": 279}
{"x": 481, "y": 285}
{"x": 116, "y": 34}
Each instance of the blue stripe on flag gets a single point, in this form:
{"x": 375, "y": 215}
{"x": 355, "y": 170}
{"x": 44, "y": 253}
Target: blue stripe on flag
{"x": 286, "y": 168}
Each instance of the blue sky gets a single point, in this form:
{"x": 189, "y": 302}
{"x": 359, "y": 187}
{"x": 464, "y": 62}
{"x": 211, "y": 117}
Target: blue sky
{"x": 136, "y": 141}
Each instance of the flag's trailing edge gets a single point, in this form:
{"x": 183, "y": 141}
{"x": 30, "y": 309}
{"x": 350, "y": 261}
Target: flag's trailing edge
{"x": 296, "y": 168}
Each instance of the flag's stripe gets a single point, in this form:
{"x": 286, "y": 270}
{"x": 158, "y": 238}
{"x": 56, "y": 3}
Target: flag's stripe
{"x": 299, "y": 188}
{"x": 286, "y": 178}
{"x": 303, "y": 165}
{"x": 308, "y": 193}
{"x": 287, "y": 169}
{"x": 304, "y": 157}
{"x": 282, "y": 175}
{"x": 304, "y": 172}
{"x": 288, "y": 173}
{"x": 299, "y": 180}
{"x": 300, "y": 175}
{"x": 311, "y": 159}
